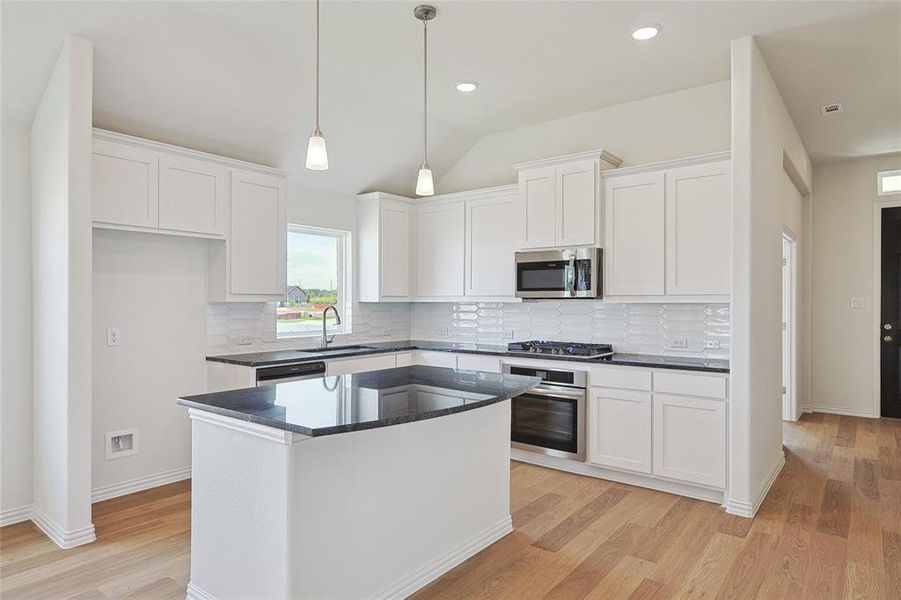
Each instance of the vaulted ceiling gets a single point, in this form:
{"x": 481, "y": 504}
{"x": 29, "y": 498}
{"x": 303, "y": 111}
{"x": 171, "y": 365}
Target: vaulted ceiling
{"x": 235, "y": 78}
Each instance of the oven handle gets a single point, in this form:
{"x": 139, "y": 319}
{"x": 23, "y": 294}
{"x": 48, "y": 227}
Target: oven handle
{"x": 556, "y": 393}
{"x": 571, "y": 275}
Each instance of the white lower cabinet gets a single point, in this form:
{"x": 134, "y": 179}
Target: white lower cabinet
{"x": 620, "y": 434}
{"x": 361, "y": 364}
{"x": 689, "y": 439}
{"x": 476, "y": 362}
{"x": 434, "y": 358}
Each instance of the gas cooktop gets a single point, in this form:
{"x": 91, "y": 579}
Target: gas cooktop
{"x": 561, "y": 348}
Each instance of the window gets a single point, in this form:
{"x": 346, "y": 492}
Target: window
{"x": 889, "y": 182}
{"x": 317, "y": 278}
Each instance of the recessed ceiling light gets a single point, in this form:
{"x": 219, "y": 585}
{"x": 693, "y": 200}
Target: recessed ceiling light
{"x": 646, "y": 32}
{"x": 467, "y": 86}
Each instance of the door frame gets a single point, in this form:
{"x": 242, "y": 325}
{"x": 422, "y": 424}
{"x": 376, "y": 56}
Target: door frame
{"x": 792, "y": 392}
{"x": 877, "y": 303}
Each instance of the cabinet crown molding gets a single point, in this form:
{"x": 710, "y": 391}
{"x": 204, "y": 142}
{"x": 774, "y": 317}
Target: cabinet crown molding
{"x": 668, "y": 164}
{"x": 122, "y": 138}
{"x": 568, "y": 158}
{"x": 489, "y": 192}
{"x": 384, "y": 196}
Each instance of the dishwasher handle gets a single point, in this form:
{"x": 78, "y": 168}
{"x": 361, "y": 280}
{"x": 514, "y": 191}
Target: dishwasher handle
{"x": 295, "y": 371}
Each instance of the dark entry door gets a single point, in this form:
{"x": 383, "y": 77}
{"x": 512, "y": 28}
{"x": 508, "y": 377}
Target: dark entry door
{"x": 891, "y": 313}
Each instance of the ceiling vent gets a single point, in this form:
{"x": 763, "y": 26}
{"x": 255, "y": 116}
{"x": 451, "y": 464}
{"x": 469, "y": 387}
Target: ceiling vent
{"x": 831, "y": 109}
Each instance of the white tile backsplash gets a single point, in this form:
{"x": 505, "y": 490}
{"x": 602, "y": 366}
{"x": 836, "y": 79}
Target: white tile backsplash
{"x": 228, "y": 323}
{"x": 644, "y": 328}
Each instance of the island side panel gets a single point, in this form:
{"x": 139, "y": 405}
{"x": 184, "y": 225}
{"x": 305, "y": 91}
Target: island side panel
{"x": 385, "y": 511}
{"x": 239, "y": 521}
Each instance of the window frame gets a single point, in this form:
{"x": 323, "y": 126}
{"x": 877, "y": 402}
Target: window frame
{"x": 880, "y": 176}
{"x": 343, "y": 238}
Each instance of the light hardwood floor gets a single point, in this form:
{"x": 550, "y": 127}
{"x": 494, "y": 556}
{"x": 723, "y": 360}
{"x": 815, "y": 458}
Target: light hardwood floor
{"x": 830, "y": 528}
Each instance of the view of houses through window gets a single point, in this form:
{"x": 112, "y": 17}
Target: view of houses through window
{"x": 316, "y": 273}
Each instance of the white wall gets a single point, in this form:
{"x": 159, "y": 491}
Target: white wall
{"x": 763, "y": 140}
{"x": 15, "y": 325}
{"x": 684, "y": 123}
{"x": 61, "y": 295}
{"x": 153, "y": 289}
{"x": 844, "y": 361}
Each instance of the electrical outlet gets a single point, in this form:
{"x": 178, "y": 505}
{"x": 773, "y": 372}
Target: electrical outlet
{"x": 681, "y": 343}
{"x": 443, "y": 332}
{"x": 712, "y": 344}
{"x": 508, "y": 334}
{"x": 113, "y": 336}
{"x": 857, "y": 302}
{"x": 245, "y": 340}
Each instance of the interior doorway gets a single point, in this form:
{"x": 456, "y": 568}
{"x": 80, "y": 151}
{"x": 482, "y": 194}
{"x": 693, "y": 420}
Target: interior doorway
{"x": 790, "y": 410}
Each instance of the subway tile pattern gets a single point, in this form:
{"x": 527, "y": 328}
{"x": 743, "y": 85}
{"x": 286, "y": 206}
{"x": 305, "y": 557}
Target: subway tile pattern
{"x": 640, "y": 328}
{"x": 227, "y": 323}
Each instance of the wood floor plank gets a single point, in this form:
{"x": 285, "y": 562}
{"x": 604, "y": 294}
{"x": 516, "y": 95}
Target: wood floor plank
{"x": 649, "y": 589}
{"x": 826, "y": 575}
{"x": 866, "y": 477}
{"x": 576, "y": 522}
{"x": 791, "y": 556}
{"x": 710, "y": 572}
{"x": 835, "y": 509}
{"x": 891, "y": 552}
{"x": 749, "y": 568}
{"x": 539, "y": 506}
{"x": 847, "y": 432}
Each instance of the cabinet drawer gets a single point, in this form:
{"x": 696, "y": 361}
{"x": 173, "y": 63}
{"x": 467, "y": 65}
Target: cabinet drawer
{"x": 473, "y": 362}
{"x": 627, "y": 379}
{"x": 360, "y": 365}
{"x": 433, "y": 358}
{"x": 690, "y": 385}
{"x": 404, "y": 359}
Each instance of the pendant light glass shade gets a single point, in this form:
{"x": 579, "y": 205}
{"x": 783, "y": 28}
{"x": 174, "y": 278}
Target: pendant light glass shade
{"x": 317, "y": 155}
{"x": 424, "y": 184}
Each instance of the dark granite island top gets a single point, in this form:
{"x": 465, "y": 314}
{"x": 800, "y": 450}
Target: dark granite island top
{"x": 343, "y": 403}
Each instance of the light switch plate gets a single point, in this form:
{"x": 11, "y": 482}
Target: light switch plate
{"x": 244, "y": 340}
{"x": 113, "y": 336}
{"x": 680, "y": 343}
{"x": 857, "y": 302}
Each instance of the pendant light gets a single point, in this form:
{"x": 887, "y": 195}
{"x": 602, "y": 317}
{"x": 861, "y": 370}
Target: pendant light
{"x": 317, "y": 155}
{"x": 424, "y": 184}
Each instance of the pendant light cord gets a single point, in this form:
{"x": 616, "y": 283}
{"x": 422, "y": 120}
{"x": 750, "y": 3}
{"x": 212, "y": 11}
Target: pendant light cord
{"x": 318, "y": 132}
{"x": 425, "y": 92}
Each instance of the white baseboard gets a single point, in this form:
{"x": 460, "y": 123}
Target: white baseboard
{"x": 15, "y": 515}
{"x": 195, "y": 593}
{"x": 749, "y": 509}
{"x": 62, "y": 538}
{"x": 848, "y": 412}
{"x": 428, "y": 573}
{"x": 140, "y": 484}
{"x": 637, "y": 479}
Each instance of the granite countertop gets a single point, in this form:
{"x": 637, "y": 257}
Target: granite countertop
{"x": 336, "y": 404}
{"x": 281, "y": 357}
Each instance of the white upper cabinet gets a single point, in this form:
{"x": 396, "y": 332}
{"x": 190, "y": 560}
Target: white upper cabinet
{"x": 576, "y": 208}
{"x": 256, "y": 247}
{"x": 634, "y": 232}
{"x": 558, "y": 200}
{"x": 668, "y": 230}
{"x": 491, "y": 242}
{"x": 698, "y": 229}
{"x": 440, "y": 249}
{"x": 193, "y": 194}
{"x": 384, "y": 229}
{"x": 537, "y": 193}
{"x": 125, "y": 180}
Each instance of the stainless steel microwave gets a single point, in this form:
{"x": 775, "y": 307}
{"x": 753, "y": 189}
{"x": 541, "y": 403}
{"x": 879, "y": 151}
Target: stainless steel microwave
{"x": 562, "y": 273}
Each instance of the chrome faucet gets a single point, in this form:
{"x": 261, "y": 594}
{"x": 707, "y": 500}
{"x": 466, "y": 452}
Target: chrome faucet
{"x": 325, "y": 339}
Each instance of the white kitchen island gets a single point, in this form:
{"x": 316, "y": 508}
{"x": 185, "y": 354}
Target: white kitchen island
{"x": 355, "y": 486}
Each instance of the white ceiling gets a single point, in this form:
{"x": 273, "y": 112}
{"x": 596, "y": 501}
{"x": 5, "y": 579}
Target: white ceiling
{"x": 235, "y": 78}
{"x": 855, "y": 61}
